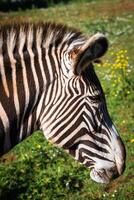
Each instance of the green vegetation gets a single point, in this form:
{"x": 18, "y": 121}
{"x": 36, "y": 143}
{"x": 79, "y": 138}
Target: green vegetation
{"x": 35, "y": 169}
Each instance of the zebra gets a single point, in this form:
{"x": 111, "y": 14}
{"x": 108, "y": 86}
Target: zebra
{"x": 48, "y": 82}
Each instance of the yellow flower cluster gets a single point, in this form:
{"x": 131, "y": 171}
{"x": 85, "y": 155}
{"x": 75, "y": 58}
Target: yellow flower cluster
{"x": 118, "y": 69}
{"x": 121, "y": 60}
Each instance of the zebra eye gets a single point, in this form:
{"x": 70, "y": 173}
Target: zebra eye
{"x": 95, "y": 99}
{"x": 98, "y": 98}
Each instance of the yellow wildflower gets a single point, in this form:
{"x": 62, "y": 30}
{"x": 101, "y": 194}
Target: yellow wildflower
{"x": 38, "y": 146}
{"x": 128, "y": 92}
{"x": 132, "y": 140}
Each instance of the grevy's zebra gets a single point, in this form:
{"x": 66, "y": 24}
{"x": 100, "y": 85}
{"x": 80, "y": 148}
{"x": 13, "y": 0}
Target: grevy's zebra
{"x": 47, "y": 82}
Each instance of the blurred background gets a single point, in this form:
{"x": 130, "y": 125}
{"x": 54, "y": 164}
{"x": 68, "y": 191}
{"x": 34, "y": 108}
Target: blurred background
{"x": 9, "y": 5}
{"x": 37, "y": 170}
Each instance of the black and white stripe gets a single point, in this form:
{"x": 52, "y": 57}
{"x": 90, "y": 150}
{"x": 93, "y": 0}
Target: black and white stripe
{"x": 48, "y": 82}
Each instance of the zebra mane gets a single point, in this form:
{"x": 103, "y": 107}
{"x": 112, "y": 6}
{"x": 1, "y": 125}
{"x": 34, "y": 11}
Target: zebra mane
{"x": 21, "y": 35}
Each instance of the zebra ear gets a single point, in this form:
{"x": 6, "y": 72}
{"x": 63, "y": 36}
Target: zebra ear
{"x": 91, "y": 50}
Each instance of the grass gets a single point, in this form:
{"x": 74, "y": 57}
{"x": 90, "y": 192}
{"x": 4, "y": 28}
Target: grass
{"x": 35, "y": 169}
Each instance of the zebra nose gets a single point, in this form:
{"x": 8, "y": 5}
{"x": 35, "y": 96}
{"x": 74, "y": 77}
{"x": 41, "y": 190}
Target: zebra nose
{"x": 120, "y": 156}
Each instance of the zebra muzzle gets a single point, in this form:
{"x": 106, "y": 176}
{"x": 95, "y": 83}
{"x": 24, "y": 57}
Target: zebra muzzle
{"x": 104, "y": 175}
{"x": 120, "y": 156}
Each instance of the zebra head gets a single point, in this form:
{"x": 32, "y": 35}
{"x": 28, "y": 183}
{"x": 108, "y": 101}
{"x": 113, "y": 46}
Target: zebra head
{"x": 48, "y": 82}
{"x": 99, "y": 147}
{"x": 78, "y": 119}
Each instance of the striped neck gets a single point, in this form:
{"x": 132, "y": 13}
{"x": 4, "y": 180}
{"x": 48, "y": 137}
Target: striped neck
{"x": 30, "y": 60}
{"x": 39, "y": 42}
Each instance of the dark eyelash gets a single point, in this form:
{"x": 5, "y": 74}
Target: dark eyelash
{"x": 95, "y": 99}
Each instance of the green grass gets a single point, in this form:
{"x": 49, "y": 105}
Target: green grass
{"x": 36, "y": 169}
